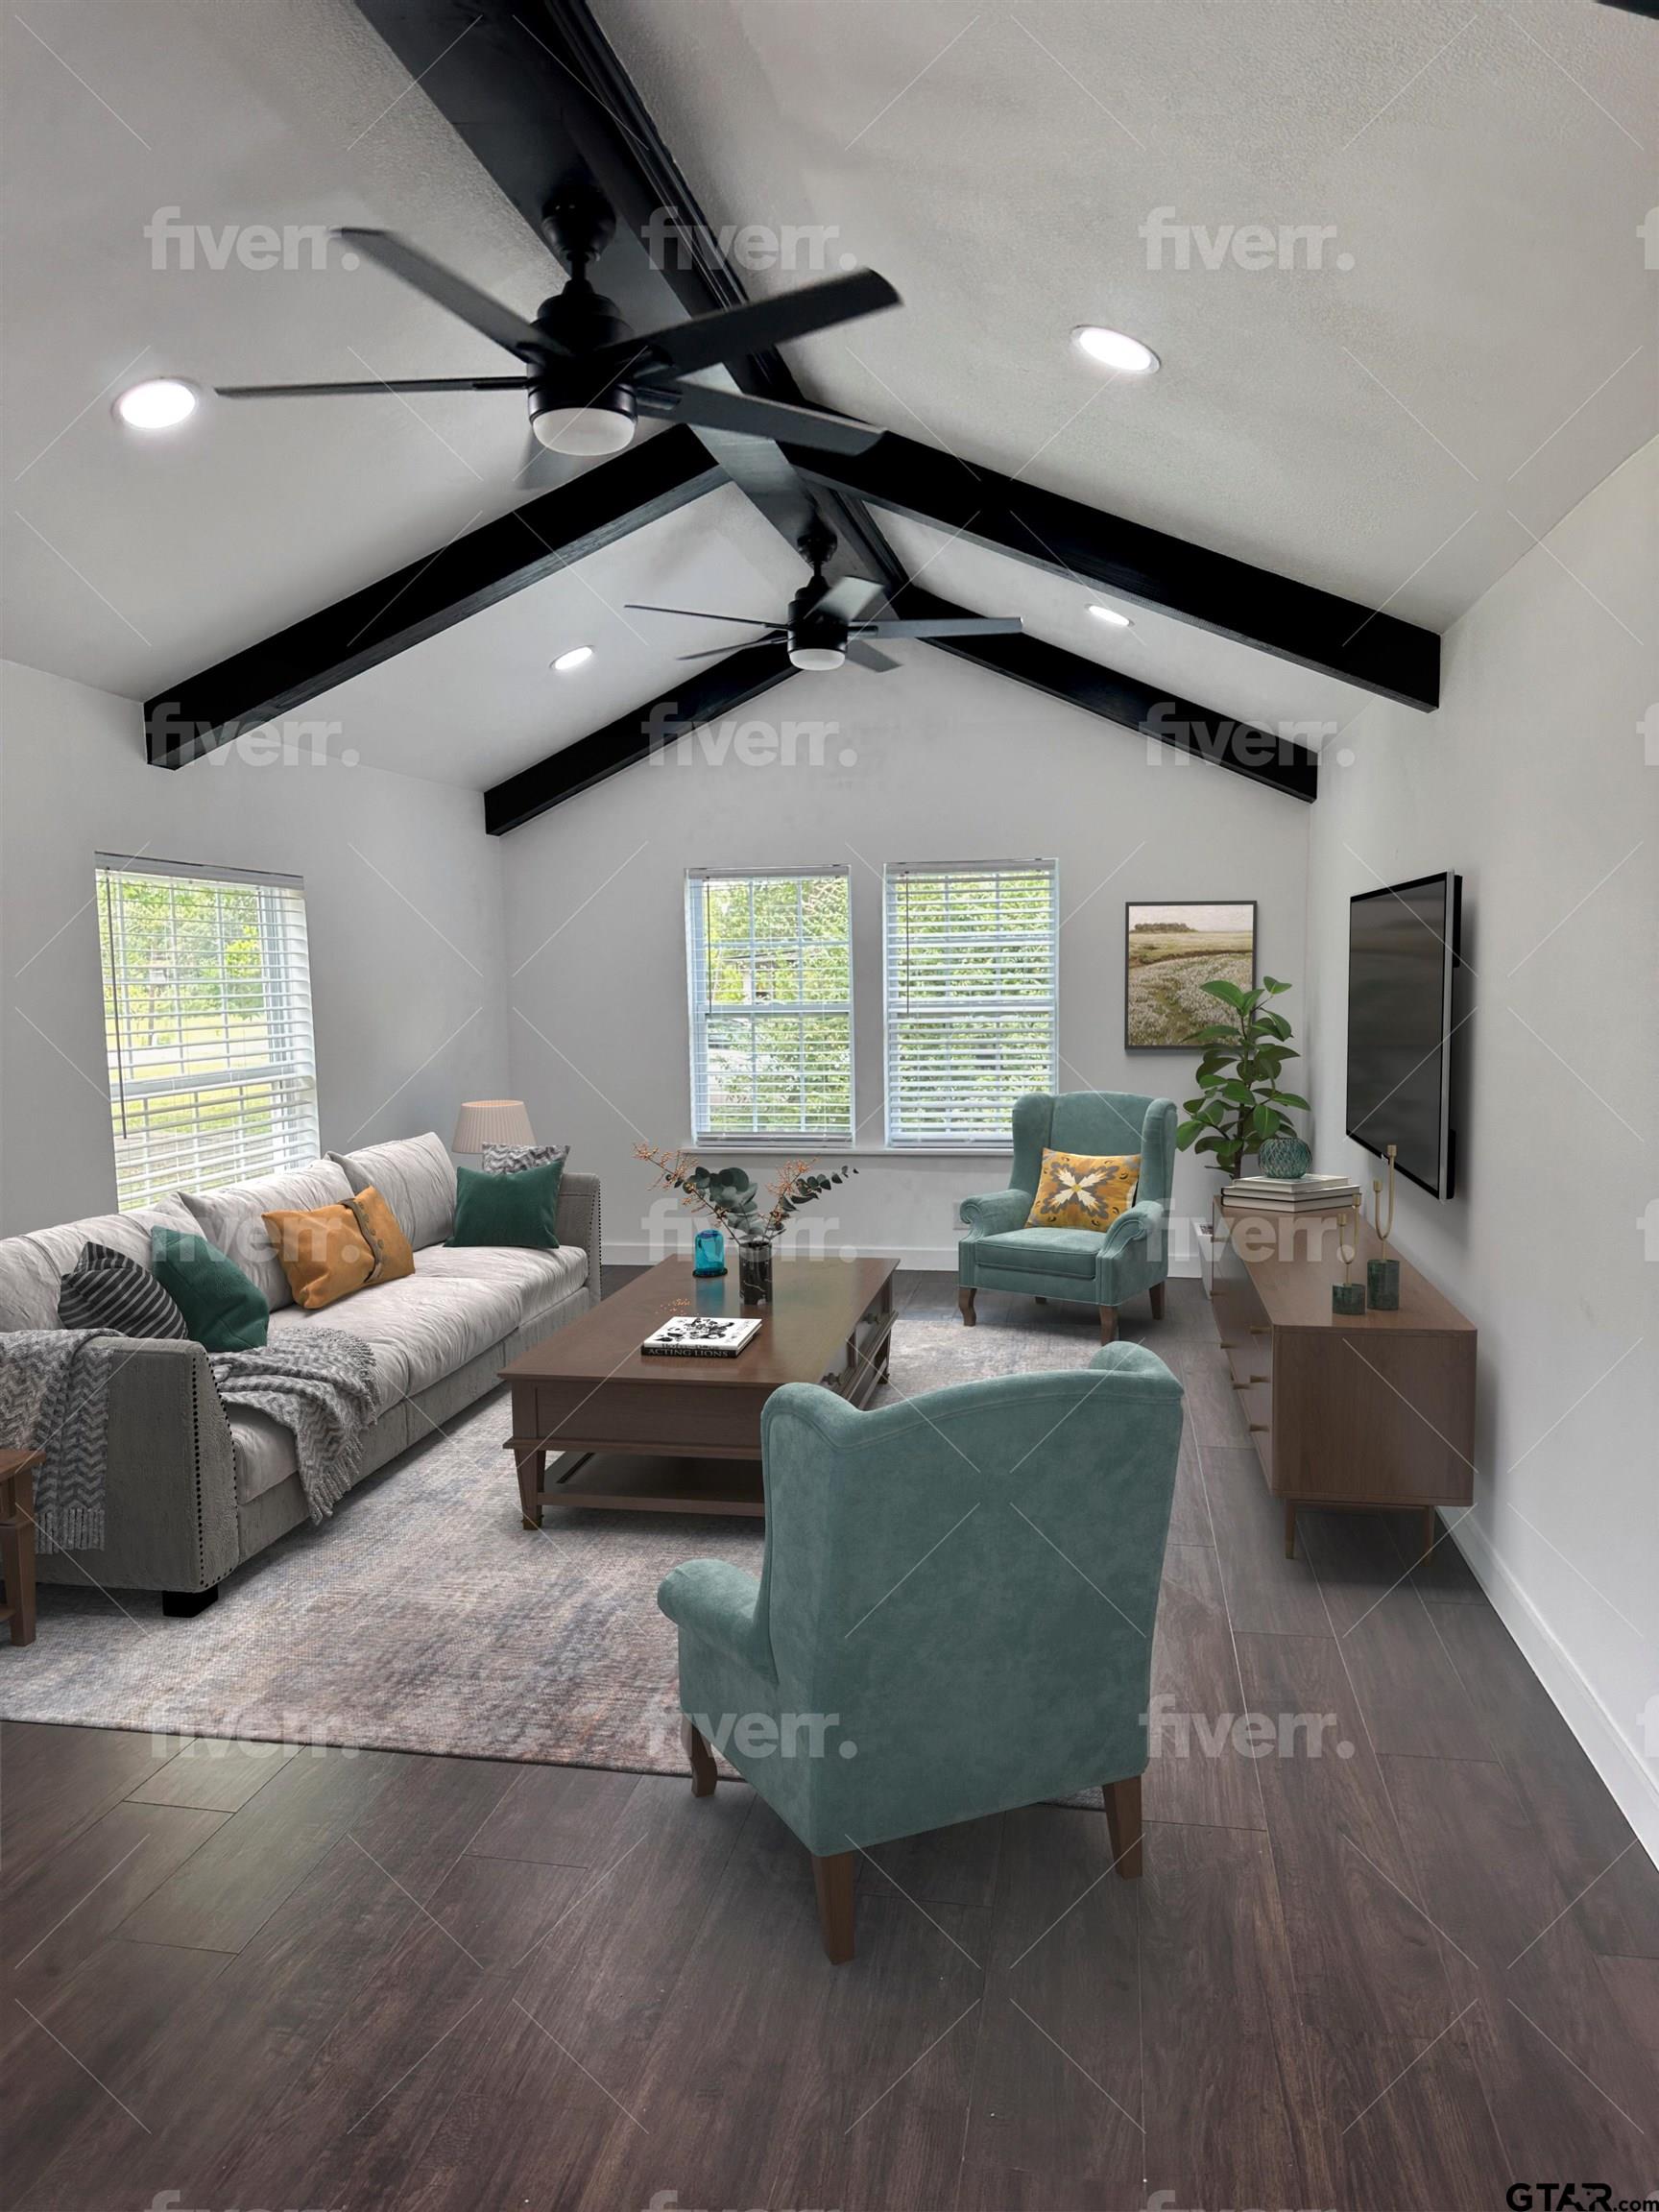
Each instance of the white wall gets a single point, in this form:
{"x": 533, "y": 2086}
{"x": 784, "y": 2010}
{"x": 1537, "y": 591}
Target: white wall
{"x": 403, "y": 904}
{"x": 1538, "y": 780}
{"x": 936, "y": 761}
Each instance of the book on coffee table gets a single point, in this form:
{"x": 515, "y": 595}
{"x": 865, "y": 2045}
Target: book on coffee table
{"x": 698, "y": 1337}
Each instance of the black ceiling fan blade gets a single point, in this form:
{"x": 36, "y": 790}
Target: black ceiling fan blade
{"x": 850, "y": 600}
{"x": 735, "y": 331}
{"x": 867, "y": 656}
{"x": 381, "y": 384}
{"x": 700, "y": 615}
{"x": 719, "y": 652}
{"x": 976, "y": 626}
{"x": 773, "y": 419}
{"x": 452, "y": 293}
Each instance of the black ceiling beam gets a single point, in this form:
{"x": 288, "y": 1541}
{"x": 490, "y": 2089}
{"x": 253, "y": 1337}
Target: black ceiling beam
{"x": 1279, "y": 763}
{"x": 1148, "y": 567}
{"x": 705, "y": 698}
{"x": 311, "y": 657}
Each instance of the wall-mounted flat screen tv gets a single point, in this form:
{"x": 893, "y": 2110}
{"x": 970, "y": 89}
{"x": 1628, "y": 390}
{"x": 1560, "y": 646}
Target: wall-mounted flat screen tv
{"x": 1402, "y": 953}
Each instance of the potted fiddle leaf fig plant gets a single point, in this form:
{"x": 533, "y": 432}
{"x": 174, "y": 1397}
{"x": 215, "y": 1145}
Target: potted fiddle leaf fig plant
{"x": 1240, "y": 1104}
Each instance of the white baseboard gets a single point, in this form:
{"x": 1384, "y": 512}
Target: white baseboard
{"x": 1631, "y": 1778}
{"x": 936, "y": 1258}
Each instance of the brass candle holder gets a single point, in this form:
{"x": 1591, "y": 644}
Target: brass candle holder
{"x": 1347, "y": 1296}
{"x": 1382, "y": 1274}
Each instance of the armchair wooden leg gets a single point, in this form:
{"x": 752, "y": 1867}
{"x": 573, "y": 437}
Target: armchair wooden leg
{"x": 1108, "y": 1324}
{"x": 697, "y": 1751}
{"x": 1123, "y": 1824}
{"x": 965, "y": 1299}
{"x": 1156, "y": 1294}
{"x": 833, "y": 1877}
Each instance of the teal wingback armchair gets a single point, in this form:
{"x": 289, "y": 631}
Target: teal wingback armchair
{"x": 954, "y": 1613}
{"x": 1089, "y": 1266}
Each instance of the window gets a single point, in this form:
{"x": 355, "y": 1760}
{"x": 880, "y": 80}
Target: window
{"x": 207, "y": 1010}
{"x": 769, "y": 959}
{"x": 973, "y": 961}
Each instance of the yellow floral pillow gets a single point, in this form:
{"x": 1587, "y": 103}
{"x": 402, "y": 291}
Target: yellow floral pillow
{"x": 1075, "y": 1192}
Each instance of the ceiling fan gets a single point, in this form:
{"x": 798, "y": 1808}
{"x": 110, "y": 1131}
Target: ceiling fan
{"x": 588, "y": 376}
{"x": 830, "y": 623}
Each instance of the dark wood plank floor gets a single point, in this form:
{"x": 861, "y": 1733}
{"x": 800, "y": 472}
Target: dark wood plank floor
{"x": 1401, "y": 1957}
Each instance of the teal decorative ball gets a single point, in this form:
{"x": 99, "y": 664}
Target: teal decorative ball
{"x": 1284, "y": 1156}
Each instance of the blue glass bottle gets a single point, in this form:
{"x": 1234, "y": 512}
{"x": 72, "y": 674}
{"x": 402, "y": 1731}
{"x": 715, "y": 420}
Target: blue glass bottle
{"x": 709, "y": 1253}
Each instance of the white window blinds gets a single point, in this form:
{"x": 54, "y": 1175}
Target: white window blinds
{"x": 208, "y": 1011}
{"x": 769, "y": 961}
{"x": 972, "y": 986}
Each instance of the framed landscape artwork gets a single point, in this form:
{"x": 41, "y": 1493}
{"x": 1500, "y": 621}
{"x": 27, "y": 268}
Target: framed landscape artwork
{"x": 1172, "y": 951}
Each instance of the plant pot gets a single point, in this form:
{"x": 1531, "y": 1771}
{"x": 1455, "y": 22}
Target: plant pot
{"x": 709, "y": 1253}
{"x": 755, "y": 1271}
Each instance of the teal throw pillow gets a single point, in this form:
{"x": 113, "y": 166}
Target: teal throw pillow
{"x": 508, "y": 1208}
{"x": 223, "y": 1311}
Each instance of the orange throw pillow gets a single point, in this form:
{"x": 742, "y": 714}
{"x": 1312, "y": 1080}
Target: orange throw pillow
{"x": 393, "y": 1251}
{"x": 325, "y": 1253}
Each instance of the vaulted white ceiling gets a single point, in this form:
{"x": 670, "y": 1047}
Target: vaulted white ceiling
{"x": 1398, "y": 429}
{"x": 1474, "y": 352}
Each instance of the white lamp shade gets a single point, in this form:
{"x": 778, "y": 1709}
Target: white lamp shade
{"x": 485, "y": 1121}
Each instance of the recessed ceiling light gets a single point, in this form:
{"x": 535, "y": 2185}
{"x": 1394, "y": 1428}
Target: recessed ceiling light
{"x": 156, "y": 405}
{"x": 574, "y": 659}
{"x": 1115, "y": 349}
{"x": 1111, "y": 618}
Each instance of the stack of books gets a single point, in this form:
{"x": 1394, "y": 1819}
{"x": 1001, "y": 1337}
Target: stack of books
{"x": 1276, "y": 1194}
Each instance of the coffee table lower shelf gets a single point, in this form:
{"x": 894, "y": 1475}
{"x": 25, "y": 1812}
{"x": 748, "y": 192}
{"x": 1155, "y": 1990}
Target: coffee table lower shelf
{"x": 653, "y": 1483}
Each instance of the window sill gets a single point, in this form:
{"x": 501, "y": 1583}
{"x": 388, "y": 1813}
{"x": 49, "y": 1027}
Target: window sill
{"x": 795, "y": 1148}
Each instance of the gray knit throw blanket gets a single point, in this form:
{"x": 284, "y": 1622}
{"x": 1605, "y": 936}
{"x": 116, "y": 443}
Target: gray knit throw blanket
{"x": 319, "y": 1384}
{"x": 54, "y": 1399}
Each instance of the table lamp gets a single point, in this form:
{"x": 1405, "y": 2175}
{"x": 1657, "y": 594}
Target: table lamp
{"x": 485, "y": 1121}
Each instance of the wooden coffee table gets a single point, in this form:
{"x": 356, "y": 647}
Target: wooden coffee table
{"x": 654, "y": 1435}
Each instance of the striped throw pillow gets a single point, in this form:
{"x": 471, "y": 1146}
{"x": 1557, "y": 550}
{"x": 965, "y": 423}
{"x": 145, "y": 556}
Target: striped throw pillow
{"x": 104, "y": 1290}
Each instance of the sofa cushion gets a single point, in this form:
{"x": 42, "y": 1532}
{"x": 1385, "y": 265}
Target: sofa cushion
{"x": 233, "y": 1220}
{"x": 421, "y": 1327}
{"x": 538, "y": 1280}
{"x": 33, "y": 1265}
{"x": 416, "y": 1176}
{"x": 1042, "y": 1252}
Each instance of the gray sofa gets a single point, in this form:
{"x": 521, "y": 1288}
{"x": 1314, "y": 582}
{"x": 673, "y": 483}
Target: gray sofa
{"x": 190, "y": 1492}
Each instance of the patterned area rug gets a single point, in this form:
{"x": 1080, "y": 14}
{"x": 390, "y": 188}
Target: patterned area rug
{"x": 423, "y": 1617}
